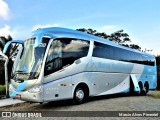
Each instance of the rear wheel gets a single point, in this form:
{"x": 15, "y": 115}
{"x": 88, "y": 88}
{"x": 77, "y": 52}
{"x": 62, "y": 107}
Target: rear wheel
{"x": 145, "y": 89}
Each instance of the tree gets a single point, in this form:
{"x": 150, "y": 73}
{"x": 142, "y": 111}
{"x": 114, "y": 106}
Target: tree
{"x": 9, "y": 38}
{"x": 133, "y": 46}
{"x": 118, "y": 37}
{"x": 94, "y": 32}
{"x": 13, "y": 48}
{"x": 4, "y": 40}
{"x": 11, "y": 53}
{"x": 158, "y": 71}
{"x": 1, "y": 45}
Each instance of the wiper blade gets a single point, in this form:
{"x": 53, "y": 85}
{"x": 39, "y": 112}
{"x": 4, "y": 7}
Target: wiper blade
{"x": 19, "y": 71}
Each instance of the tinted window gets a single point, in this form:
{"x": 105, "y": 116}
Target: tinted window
{"x": 54, "y": 57}
{"x": 102, "y": 51}
{"x": 148, "y": 60}
{"x": 63, "y": 52}
{"x": 110, "y": 52}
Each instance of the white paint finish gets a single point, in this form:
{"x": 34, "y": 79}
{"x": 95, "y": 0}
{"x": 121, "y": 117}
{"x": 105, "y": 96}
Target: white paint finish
{"x": 119, "y": 88}
{"x": 61, "y": 87}
{"x": 111, "y": 66}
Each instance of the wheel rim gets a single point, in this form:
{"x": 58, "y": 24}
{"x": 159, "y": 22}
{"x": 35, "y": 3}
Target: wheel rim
{"x": 145, "y": 89}
{"x": 79, "y": 95}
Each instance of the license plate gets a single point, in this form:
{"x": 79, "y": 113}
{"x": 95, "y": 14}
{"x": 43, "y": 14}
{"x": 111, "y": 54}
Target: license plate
{"x": 18, "y": 96}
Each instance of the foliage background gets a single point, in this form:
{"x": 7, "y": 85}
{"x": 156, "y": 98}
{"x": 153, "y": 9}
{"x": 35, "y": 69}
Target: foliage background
{"x": 158, "y": 71}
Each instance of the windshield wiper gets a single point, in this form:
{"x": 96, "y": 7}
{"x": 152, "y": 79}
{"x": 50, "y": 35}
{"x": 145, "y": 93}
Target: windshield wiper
{"x": 19, "y": 71}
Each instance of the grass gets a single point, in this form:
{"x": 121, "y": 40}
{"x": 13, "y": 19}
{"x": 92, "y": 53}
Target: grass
{"x": 2, "y": 90}
{"x": 156, "y": 94}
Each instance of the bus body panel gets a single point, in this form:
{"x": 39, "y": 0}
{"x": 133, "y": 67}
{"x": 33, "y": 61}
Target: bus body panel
{"x": 54, "y": 90}
{"x": 111, "y": 66}
{"x": 110, "y": 83}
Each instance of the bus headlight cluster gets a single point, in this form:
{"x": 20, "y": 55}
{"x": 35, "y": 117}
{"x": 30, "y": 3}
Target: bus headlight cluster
{"x": 11, "y": 88}
{"x": 35, "y": 89}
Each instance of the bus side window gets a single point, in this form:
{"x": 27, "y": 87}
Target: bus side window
{"x": 73, "y": 49}
{"x": 63, "y": 52}
{"x": 54, "y": 58}
{"x": 148, "y": 60}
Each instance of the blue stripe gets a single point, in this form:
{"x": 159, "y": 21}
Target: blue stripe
{"x": 19, "y": 89}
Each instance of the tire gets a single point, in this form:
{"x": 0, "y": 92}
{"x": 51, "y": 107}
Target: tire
{"x": 80, "y": 95}
{"x": 131, "y": 91}
{"x": 145, "y": 89}
{"x": 141, "y": 88}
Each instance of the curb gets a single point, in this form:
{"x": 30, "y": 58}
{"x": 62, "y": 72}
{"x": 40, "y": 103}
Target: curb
{"x": 9, "y": 102}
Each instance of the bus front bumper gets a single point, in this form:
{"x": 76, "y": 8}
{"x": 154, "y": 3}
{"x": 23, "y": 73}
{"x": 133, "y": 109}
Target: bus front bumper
{"x": 25, "y": 95}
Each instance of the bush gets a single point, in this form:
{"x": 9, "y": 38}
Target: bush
{"x": 158, "y": 77}
{"x": 2, "y": 90}
{"x": 158, "y": 72}
{"x": 2, "y": 76}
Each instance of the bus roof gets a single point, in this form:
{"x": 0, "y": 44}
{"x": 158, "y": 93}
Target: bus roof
{"x": 65, "y": 32}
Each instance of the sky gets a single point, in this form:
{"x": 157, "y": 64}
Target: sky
{"x": 139, "y": 18}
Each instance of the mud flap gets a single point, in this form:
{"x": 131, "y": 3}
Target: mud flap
{"x": 135, "y": 83}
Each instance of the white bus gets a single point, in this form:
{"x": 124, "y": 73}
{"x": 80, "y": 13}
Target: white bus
{"x": 60, "y": 63}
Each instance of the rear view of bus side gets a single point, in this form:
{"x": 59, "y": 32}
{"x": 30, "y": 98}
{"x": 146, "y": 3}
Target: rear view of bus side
{"x": 68, "y": 64}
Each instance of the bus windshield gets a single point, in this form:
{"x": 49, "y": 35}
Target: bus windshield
{"x": 29, "y": 65}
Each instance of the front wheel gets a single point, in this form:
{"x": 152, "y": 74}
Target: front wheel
{"x": 80, "y": 95}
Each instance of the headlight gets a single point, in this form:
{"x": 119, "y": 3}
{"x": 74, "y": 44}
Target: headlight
{"x": 35, "y": 89}
{"x": 11, "y": 87}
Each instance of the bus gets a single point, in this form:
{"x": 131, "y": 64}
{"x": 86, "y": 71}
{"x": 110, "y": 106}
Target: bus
{"x": 60, "y": 63}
